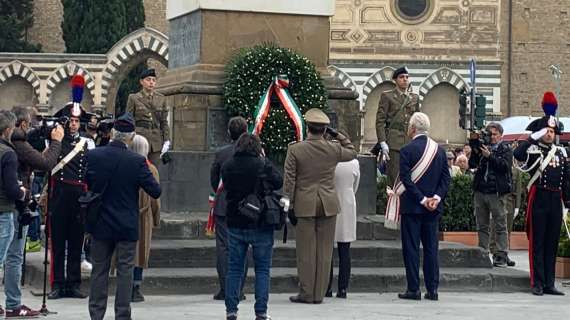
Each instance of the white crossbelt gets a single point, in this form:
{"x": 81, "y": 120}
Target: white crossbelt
{"x": 69, "y": 156}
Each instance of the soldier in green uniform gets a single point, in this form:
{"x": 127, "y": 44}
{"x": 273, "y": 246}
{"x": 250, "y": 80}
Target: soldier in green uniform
{"x": 394, "y": 111}
{"x": 151, "y": 116}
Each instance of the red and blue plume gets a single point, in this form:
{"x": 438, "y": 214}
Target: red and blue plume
{"x": 77, "y": 85}
{"x": 549, "y": 103}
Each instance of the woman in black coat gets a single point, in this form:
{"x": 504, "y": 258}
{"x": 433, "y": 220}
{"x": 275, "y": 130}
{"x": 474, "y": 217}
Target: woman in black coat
{"x": 240, "y": 175}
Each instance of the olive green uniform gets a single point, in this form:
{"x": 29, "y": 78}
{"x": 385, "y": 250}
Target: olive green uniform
{"x": 394, "y": 112}
{"x": 151, "y": 119}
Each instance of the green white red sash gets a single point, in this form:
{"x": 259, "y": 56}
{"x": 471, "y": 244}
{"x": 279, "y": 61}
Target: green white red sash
{"x": 211, "y": 225}
{"x": 392, "y": 216}
{"x": 278, "y": 86}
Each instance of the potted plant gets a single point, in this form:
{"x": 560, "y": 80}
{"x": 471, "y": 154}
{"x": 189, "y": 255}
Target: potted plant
{"x": 458, "y": 221}
{"x": 563, "y": 256}
{"x": 517, "y": 237}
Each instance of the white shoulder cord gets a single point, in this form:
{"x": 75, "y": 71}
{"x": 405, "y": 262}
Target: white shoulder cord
{"x": 523, "y": 167}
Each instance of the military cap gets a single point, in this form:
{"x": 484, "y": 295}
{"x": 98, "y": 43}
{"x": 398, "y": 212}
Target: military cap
{"x": 125, "y": 123}
{"x": 148, "y": 73}
{"x": 549, "y": 106}
{"x": 399, "y": 71}
{"x": 315, "y": 115}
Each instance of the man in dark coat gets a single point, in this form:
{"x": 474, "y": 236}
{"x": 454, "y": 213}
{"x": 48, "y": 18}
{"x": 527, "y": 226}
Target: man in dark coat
{"x": 28, "y": 159}
{"x": 118, "y": 174}
{"x": 421, "y": 206}
{"x": 236, "y": 127}
{"x": 549, "y": 187}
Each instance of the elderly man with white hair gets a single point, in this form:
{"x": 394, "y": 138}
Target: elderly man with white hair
{"x": 425, "y": 177}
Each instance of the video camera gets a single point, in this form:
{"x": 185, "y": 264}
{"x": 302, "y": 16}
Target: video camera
{"x": 479, "y": 138}
{"x": 25, "y": 209}
{"x": 45, "y": 126}
{"x": 103, "y": 125}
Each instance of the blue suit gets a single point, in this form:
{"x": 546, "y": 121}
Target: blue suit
{"x": 417, "y": 222}
{"x": 126, "y": 172}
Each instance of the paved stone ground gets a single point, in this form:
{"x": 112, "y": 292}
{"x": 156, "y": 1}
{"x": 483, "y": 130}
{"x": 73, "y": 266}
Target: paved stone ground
{"x": 452, "y": 305}
{"x": 504, "y": 306}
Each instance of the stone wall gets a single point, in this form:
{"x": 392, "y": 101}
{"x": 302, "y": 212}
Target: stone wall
{"x": 48, "y": 15}
{"x": 540, "y": 37}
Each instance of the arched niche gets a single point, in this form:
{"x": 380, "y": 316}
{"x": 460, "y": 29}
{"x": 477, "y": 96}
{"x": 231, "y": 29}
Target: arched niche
{"x": 441, "y": 104}
{"x": 17, "y": 91}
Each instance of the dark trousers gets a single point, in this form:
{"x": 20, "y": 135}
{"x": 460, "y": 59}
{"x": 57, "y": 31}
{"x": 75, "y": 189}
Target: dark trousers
{"x": 101, "y": 254}
{"x": 546, "y": 224}
{"x": 66, "y": 231}
{"x": 343, "y": 249}
{"x": 222, "y": 245}
{"x": 424, "y": 228}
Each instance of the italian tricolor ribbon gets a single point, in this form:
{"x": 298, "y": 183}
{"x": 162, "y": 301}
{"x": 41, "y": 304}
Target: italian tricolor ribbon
{"x": 279, "y": 86}
{"x": 211, "y": 225}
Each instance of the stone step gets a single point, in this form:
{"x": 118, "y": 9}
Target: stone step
{"x": 193, "y": 226}
{"x": 165, "y": 281}
{"x": 365, "y": 253}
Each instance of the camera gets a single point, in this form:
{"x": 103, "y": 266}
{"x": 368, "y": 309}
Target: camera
{"x": 45, "y": 126}
{"x": 479, "y": 138}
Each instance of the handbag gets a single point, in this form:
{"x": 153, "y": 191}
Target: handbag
{"x": 90, "y": 202}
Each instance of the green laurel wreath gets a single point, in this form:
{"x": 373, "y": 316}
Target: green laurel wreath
{"x": 250, "y": 72}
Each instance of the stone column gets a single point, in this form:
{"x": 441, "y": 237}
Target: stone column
{"x": 203, "y": 36}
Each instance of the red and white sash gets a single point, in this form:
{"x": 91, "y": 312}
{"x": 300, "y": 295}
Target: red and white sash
{"x": 392, "y": 216}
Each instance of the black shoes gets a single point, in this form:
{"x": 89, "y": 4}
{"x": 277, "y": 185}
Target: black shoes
{"x": 297, "y": 299}
{"x": 137, "y": 295}
{"x": 341, "y": 294}
{"x": 537, "y": 291}
{"x": 510, "y": 263}
{"x": 329, "y": 294}
{"x": 75, "y": 293}
{"x": 553, "y": 291}
{"x": 499, "y": 262}
{"x": 408, "y": 295}
{"x": 431, "y": 296}
{"x": 56, "y": 293}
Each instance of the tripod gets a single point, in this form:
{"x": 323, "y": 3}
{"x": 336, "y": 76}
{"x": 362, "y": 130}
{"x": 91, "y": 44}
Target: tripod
{"x": 44, "y": 310}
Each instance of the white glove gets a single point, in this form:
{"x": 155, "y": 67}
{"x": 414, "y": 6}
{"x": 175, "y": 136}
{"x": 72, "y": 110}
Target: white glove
{"x": 165, "y": 148}
{"x": 285, "y": 203}
{"x": 385, "y": 150}
{"x": 539, "y": 134}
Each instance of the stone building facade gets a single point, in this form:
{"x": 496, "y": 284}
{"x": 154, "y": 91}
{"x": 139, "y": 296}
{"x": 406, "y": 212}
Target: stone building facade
{"x": 513, "y": 41}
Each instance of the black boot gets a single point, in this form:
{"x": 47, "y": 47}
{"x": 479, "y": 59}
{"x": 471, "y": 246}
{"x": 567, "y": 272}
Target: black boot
{"x": 75, "y": 292}
{"x": 137, "y": 295}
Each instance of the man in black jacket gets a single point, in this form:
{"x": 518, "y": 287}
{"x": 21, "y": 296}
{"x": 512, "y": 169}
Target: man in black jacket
{"x": 236, "y": 127}
{"x": 493, "y": 160}
{"x": 28, "y": 159}
{"x": 117, "y": 173}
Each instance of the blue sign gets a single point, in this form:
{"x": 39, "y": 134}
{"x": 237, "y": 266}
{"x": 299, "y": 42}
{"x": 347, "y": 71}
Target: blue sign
{"x": 472, "y": 71}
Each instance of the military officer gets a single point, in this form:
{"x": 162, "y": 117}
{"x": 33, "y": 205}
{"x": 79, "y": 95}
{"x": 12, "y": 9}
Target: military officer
{"x": 309, "y": 187}
{"x": 394, "y": 111}
{"x": 149, "y": 109}
{"x": 549, "y": 191}
{"x": 66, "y": 224}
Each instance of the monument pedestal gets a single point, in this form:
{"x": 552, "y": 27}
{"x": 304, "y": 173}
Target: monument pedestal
{"x": 204, "y": 34}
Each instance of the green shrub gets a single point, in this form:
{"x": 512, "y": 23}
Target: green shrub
{"x": 564, "y": 245}
{"x": 381, "y": 195}
{"x": 458, "y": 206}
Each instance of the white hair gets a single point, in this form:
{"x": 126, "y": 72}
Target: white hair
{"x": 140, "y": 145}
{"x": 420, "y": 121}
{"x": 125, "y": 137}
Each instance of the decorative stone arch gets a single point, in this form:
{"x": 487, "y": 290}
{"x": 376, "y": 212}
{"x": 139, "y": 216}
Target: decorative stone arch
{"x": 377, "y": 78}
{"x": 344, "y": 78}
{"x": 131, "y": 50}
{"x": 17, "y": 68}
{"x": 67, "y": 71}
{"x": 441, "y": 75}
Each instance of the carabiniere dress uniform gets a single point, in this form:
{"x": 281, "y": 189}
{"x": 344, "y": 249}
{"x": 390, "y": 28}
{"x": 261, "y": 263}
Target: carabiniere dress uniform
{"x": 545, "y": 198}
{"x": 66, "y": 223}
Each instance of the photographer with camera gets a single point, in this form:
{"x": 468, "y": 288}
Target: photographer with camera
{"x": 10, "y": 192}
{"x": 492, "y": 160}
{"x": 29, "y": 159}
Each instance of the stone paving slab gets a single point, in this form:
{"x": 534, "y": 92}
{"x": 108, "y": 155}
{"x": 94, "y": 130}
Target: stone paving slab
{"x": 361, "y": 306}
